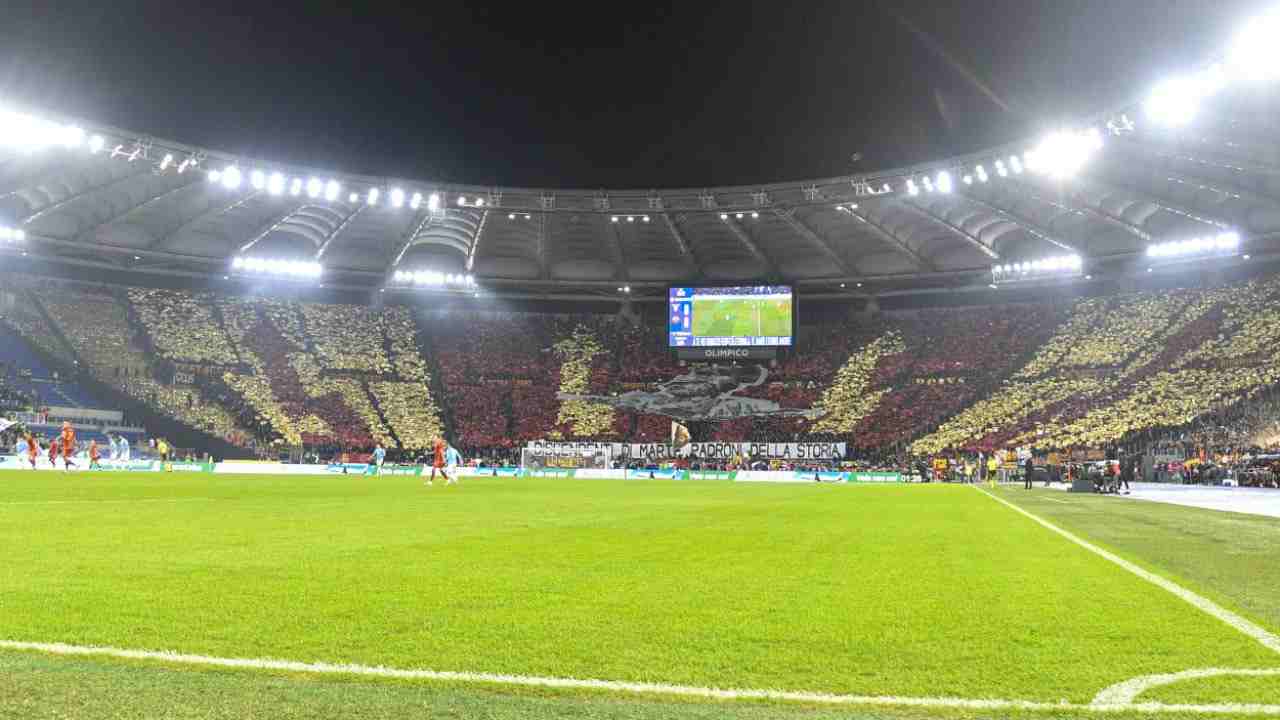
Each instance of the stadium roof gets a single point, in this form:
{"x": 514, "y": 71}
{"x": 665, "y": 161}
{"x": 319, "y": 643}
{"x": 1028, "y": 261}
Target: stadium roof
{"x": 1198, "y": 158}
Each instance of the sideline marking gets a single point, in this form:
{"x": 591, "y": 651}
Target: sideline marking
{"x": 1126, "y": 692}
{"x": 635, "y": 688}
{"x": 1262, "y": 635}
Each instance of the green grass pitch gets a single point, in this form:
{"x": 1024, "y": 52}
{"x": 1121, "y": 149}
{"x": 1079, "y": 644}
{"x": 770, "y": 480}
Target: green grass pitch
{"x": 871, "y": 590}
{"x": 742, "y": 318}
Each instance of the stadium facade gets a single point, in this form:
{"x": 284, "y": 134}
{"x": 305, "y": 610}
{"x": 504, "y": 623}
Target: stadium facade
{"x": 1195, "y": 160}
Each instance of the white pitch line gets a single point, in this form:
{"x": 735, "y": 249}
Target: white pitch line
{"x": 1262, "y": 635}
{"x": 634, "y": 688}
{"x": 1126, "y": 692}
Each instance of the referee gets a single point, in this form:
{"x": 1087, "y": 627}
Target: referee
{"x": 1031, "y": 469}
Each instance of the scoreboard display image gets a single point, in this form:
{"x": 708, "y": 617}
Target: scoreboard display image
{"x": 747, "y": 316}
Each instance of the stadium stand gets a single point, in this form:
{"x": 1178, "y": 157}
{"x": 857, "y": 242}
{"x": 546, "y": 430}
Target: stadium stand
{"x": 24, "y": 338}
{"x": 1093, "y": 372}
{"x": 96, "y": 324}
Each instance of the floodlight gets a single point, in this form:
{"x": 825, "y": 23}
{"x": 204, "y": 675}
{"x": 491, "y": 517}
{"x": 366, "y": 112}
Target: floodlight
{"x": 1001, "y": 170}
{"x": 397, "y": 198}
{"x": 724, "y": 216}
{"x": 928, "y": 184}
{"x": 645, "y": 218}
{"x": 214, "y": 176}
{"x": 613, "y": 219}
{"x": 738, "y": 216}
{"x": 982, "y": 173}
{"x": 911, "y": 187}
{"x": 295, "y": 187}
{"x": 632, "y": 218}
{"x": 944, "y": 182}
{"x": 95, "y": 144}
{"x": 353, "y": 197}
{"x": 372, "y": 197}
{"x": 167, "y": 161}
{"x": 72, "y": 136}
{"x": 462, "y": 200}
{"x": 754, "y": 215}
{"x": 1252, "y": 54}
{"x": 1062, "y": 154}
{"x": 1174, "y": 102}
{"x": 314, "y": 188}
{"x": 416, "y": 201}
{"x": 511, "y": 216}
{"x": 1094, "y": 136}
{"x": 1015, "y": 164}
{"x": 479, "y": 202}
{"x": 967, "y": 179}
{"x": 231, "y": 178}
{"x": 331, "y": 190}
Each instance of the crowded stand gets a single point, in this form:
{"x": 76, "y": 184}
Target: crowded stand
{"x": 1101, "y": 345}
{"x": 181, "y": 326}
{"x": 407, "y": 402}
{"x": 96, "y": 324}
{"x": 1113, "y": 371}
{"x": 502, "y": 373}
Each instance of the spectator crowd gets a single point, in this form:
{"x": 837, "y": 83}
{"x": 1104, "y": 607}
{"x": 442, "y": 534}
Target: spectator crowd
{"x": 1100, "y": 372}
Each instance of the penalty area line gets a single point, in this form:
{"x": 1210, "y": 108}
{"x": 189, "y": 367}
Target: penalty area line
{"x": 623, "y": 687}
{"x": 1257, "y": 632}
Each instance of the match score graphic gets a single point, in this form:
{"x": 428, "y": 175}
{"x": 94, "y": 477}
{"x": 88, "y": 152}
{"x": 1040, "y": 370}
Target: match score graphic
{"x": 749, "y": 316}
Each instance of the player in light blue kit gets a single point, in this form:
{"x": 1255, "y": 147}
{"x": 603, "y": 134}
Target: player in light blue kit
{"x": 379, "y": 455}
{"x": 452, "y": 459}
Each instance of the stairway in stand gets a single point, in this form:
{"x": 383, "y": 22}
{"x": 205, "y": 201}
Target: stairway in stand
{"x": 436, "y": 384}
{"x": 57, "y": 331}
{"x": 377, "y": 407}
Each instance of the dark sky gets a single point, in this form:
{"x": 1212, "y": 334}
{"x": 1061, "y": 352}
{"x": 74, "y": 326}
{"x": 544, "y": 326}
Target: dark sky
{"x": 611, "y": 94}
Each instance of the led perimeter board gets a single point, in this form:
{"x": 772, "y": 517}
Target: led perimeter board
{"x": 744, "y": 316}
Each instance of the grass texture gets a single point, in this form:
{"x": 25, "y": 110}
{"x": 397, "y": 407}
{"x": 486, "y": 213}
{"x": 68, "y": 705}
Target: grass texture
{"x": 894, "y": 590}
{"x": 742, "y": 318}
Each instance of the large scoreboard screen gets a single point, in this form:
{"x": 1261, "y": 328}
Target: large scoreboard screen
{"x": 754, "y": 316}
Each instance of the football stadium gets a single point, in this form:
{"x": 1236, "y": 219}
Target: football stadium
{"x": 996, "y": 434}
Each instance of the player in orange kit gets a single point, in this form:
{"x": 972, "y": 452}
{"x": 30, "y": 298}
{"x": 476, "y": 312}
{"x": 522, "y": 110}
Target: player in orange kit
{"x": 55, "y": 449}
{"x": 33, "y": 449}
{"x": 68, "y": 446}
{"x": 437, "y": 459}
{"x": 93, "y": 454}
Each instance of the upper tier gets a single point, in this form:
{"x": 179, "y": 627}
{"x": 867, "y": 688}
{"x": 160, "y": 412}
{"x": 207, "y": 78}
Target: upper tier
{"x": 126, "y": 206}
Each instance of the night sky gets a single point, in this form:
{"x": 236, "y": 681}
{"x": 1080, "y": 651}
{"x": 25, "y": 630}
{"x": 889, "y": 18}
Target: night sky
{"x": 606, "y": 95}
